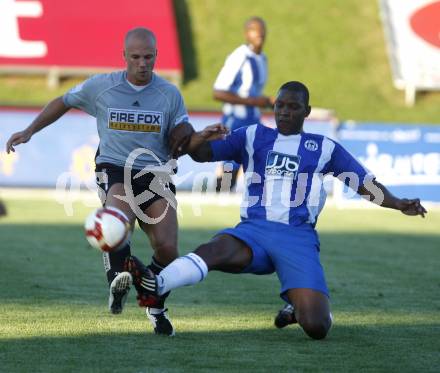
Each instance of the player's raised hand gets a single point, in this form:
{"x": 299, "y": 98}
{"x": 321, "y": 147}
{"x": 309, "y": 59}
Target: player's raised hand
{"x": 262, "y": 101}
{"x": 199, "y": 148}
{"x": 411, "y": 207}
{"x": 16, "y": 139}
{"x": 271, "y": 102}
{"x": 214, "y": 132}
{"x": 179, "y": 139}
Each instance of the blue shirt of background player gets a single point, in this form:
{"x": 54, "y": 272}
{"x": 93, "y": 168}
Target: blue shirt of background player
{"x": 244, "y": 74}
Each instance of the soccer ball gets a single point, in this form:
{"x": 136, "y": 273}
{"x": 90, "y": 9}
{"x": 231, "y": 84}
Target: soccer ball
{"x": 107, "y": 229}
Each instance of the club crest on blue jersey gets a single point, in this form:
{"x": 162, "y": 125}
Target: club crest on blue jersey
{"x": 279, "y": 164}
{"x": 135, "y": 120}
{"x": 311, "y": 145}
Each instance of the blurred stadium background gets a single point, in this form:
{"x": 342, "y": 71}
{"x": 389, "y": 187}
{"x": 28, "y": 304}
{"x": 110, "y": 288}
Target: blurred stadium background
{"x": 373, "y": 69}
{"x": 338, "y": 48}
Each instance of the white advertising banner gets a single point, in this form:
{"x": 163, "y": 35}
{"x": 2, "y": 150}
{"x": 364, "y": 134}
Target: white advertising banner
{"x": 412, "y": 29}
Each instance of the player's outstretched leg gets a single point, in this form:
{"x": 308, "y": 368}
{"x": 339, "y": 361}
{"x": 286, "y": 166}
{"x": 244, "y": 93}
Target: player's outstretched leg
{"x": 119, "y": 289}
{"x": 223, "y": 253}
{"x": 285, "y": 316}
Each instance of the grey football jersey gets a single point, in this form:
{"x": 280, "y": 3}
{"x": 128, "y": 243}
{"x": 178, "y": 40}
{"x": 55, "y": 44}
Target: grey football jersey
{"x": 128, "y": 119}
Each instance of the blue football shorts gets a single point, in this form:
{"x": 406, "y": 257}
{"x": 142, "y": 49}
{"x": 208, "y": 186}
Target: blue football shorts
{"x": 291, "y": 252}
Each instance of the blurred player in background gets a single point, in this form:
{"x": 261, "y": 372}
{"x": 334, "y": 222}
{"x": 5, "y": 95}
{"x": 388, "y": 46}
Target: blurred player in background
{"x": 3, "y": 211}
{"x": 134, "y": 109}
{"x": 282, "y": 202}
{"x": 240, "y": 85}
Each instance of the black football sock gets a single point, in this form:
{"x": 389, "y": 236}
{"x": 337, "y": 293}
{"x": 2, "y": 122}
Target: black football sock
{"x": 114, "y": 262}
{"x": 156, "y": 267}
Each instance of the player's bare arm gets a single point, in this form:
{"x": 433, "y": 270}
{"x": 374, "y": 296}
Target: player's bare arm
{"x": 179, "y": 138}
{"x": 52, "y": 111}
{"x": 384, "y": 198}
{"x": 199, "y": 148}
{"x": 232, "y": 98}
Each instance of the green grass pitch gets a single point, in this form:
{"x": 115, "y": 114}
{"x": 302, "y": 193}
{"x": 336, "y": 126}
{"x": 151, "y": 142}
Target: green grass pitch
{"x": 382, "y": 269}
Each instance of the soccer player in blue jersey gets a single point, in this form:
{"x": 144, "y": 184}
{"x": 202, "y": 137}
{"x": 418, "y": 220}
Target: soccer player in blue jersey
{"x": 142, "y": 122}
{"x": 240, "y": 84}
{"x": 284, "y": 170}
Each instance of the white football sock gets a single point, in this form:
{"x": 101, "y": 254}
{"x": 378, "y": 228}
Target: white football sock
{"x": 186, "y": 270}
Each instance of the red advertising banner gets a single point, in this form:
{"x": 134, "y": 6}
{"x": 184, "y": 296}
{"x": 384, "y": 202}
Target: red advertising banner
{"x": 83, "y": 34}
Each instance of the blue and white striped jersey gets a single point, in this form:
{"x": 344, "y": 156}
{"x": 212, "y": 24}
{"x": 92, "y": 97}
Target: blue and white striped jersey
{"x": 245, "y": 74}
{"x": 284, "y": 174}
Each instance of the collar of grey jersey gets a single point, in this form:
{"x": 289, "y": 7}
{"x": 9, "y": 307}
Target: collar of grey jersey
{"x": 141, "y": 87}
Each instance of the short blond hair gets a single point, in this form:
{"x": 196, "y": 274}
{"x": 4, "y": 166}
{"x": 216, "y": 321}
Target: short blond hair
{"x": 140, "y": 33}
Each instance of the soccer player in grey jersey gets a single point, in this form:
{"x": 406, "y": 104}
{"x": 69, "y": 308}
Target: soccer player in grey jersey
{"x": 142, "y": 121}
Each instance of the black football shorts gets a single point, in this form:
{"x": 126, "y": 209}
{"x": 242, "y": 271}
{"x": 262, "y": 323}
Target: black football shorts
{"x": 159, "y": 184}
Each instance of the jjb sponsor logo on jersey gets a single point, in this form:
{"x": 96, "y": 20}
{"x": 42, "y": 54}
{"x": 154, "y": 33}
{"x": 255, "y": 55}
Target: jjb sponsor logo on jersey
{"x": 135, "y": 120}
{"x": 279, "y": 164}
